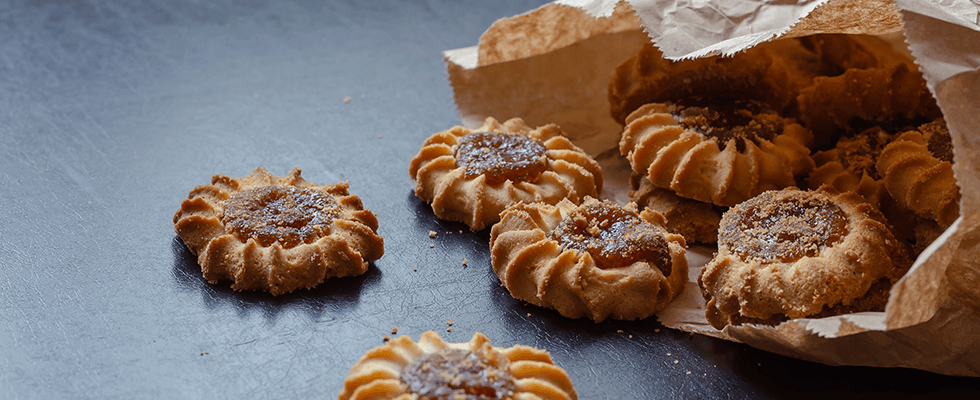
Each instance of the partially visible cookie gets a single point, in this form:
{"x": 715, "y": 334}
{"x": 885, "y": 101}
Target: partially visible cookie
{"x": 472, "y": 175}
{"x": 277, "y": 234}
{"x": 716, "y": 150}
{"x": 792, "y": 254}
{"x": 917, "y": 168}
{"x": 850, "y": 166}
{"x": 433, "y": 369}
{"x": 597, "y": 260}
{"x": 696, "y": 221}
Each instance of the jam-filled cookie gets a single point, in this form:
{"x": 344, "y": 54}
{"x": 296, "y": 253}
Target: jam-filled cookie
{"x": 850, "y": 166}
{"x": 793, "y": 254}
{"x": 716, "y": 150}
{"x": 696, "y": 221}
{"x": 918, "y": 172}
{"x": 472, "y": 175}
{"x": 435, "y": 370}
{"x": 772, "y": 72}
{"x": 277, "y": 234}
{"x": 596, "y": 260}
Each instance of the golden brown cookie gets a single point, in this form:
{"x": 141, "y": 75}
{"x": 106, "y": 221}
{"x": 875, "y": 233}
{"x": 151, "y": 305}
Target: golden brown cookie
{"x": 694, "y": 220}
{"x": 433, "y": 369}
{"x": 877, "y": 86}
{"x": 720, "y": 151}
{"x": 596, "y": 260}
{"x": 850, "y": 165}
{"x": 918, "y": 172}
{"x": 277, "y": 234}
{"x": 772, "y": 72}
{"x": 794, "y": 254}
{"x": 472, "y": 175}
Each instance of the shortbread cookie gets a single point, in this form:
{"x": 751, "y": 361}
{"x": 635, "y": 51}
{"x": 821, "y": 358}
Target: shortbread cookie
{"x": 772, "y": 72}
{"x": 850, "y": 166}
{"x": 793, "y": 254}
{"x": 696, "y": 221}
{"x": 877, "y": 86}
{"x": 435, "y": 370}
{"x": 596, "y": 260}
{"x": 719, "y": 150}
{"x": 277, "y": 234}
{"x": 918, "y": 172}
{"x": 472, "y": 175}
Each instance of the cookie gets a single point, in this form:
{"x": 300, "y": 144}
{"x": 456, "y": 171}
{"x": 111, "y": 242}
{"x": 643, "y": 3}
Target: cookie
{"x": 597, "y": 260}
{"x": 470, "y": 176}
{"x": 792, "y": 254}
{"x": 850, "y": 166}
{"x": 277, "y": 234}
{"x": 696, "y": 221}
{"x": 917, "y": 169}
{"x": 772, "y": 72}
{"x": 716, "y": 150}
{"x": 433, "y": 369}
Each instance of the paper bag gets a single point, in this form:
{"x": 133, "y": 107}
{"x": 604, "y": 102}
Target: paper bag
{"x": 554, "y": 64}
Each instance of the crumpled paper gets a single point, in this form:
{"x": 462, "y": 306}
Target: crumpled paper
{"x": 554, "y": 64}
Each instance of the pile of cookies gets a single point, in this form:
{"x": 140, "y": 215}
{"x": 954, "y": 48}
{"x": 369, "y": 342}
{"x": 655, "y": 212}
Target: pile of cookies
{"x": 819, "y": 166}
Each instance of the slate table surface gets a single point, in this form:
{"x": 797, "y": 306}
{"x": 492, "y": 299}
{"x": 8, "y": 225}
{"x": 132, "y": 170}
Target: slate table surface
{"x": 110, "y": 112}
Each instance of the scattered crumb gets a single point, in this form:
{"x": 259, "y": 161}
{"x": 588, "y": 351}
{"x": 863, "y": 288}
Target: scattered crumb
{"x": 698, "y": 307}
{"x": 688, "y": 372}
{"x": 450, "y": 329}
{"x": 386, "y": 338}
{"x": 677, "y": 361}
{"x": 464, "y": 261}
{"x": 415, "y": 269}
{"x": 154, "y": 340}
{"x": 656, "y": 330}
{"x": 619, "y": 331}
{"x": 460, "y": 231}
{"x": 432, "y": 234}
{"x": 450, "y": 322}
{"x": 346, "y": 99}
{"x": 529, "y": 314}
{"x": 362, "y": 97}
{"x": 394, "y": 329}
{"x": 631, "y": 336}
{"x": 668, "y": 354}
{"x": 432, "y": 245}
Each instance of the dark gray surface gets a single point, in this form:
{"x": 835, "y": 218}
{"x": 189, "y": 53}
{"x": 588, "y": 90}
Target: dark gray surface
{"x": 111, "y": 113}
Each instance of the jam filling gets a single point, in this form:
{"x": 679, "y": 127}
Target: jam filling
{"x": 501, "y": 157}
{"x": 938, "y": 141}
{"x": 456, "y": 374}
{"x": 782, "y": 231}
{"x": 613, "y": 237}
{"x": 860, "y": 153}
{"x": 727, "y": 118}
{"x": 284, "y": 214}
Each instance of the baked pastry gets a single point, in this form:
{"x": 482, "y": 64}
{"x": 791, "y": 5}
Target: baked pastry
{"x": 433, "y": 369}
{"x": 918, "y": 172}
{"x": 850, "y": 166}
{"x": 793, "y": 254}
{"x": 877, "y": 87}
{"x": 597, "y": 260}
{"x": 277, "y": 234}
{"x": 772, "y": 72}
{"x": 694, "y": 220}
{"x": 471, "y": 175}
{"x": 718, "y": 150}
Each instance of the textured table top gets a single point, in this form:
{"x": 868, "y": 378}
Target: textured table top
{"x": 111, "y": 113}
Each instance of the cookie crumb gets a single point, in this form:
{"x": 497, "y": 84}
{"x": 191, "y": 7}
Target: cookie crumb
{"x": 432, "y": 245}
{"x": 619, "y": 331}
{"x": 394, "y": 329}
{"x": 415, "y": 269}
{"x": 386, "y": 338}
{"x": 668, "y": 354}
{"x": 656, "y": 330}
{"x": 529, "y": 315}
{"x": 688, "y": 372}
{"x": 432, "y": 234}
{"x": 464, "y": 262}
{"x": 450, "y": 329}
{"x": 631, "y": 336}
{"x": 677, "y": 361}
{"x": 346, "y": 99}
{"x": 450, "y": 322}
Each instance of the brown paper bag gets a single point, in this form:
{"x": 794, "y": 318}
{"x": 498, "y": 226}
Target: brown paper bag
{"x": 553, "y": 64}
